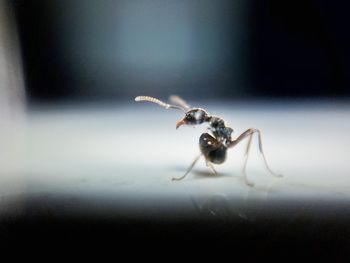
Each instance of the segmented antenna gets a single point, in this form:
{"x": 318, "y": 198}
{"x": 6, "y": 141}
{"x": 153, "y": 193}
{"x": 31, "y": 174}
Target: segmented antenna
{"x": 179, "y": 101}
{"x": 159, "y": 102}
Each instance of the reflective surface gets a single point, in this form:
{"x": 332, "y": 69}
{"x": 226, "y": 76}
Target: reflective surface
{"x": 120, "y": 160}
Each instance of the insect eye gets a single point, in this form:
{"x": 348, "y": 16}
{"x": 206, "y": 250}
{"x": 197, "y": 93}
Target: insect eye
{"x": 190, "y": 117}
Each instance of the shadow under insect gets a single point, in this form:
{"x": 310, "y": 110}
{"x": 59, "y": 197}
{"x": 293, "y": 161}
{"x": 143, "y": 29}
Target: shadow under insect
{"x": 201, "y": 173}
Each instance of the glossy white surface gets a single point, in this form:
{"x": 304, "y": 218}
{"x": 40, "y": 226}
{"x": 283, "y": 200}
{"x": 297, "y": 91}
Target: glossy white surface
{"x": 128, "y": 155}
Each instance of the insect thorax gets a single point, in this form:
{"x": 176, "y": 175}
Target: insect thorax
{"x": 219, "y": 129}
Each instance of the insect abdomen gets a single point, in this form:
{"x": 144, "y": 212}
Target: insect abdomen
{"x": 213, "y": 151}
{"x": 217, "y": 156}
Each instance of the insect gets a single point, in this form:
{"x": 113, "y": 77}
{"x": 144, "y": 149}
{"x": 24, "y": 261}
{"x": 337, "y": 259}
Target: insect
{"x": 213, "y": 145}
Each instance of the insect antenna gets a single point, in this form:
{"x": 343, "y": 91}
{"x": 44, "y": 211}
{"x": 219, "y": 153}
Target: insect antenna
{"x": 179, "y": 101}
{"x": 159, "y": 102}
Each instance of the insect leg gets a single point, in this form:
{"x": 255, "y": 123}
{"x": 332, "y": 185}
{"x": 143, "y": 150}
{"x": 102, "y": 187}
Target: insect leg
{"x": 246, "y": 160}
{"x": 250, "y": 133}
{"x": 211, "y": 166}
{"x": 188, "y": 170}
{"x": 263, "y": 155}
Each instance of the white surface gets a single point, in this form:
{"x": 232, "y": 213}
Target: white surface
{"x": 130, "y": 153}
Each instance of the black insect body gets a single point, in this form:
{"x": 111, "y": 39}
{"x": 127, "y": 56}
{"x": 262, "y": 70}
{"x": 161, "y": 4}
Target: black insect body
{"x": 213, "y": 145}
{"x": 213, "y": 150}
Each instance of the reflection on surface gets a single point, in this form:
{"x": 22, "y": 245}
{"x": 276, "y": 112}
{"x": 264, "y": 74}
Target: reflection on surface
{"x": 129, "y": 154}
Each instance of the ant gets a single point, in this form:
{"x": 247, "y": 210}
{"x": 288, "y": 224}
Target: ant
{"x": 213, "y": 145}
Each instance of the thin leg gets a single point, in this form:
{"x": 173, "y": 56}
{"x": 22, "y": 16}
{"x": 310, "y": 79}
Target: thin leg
{"x": 211, "y": 166}
{"x": 247, "y": 181}
{"x": 263, "y": 155}
{"x": 250, "y": 133}
{"x": 188, "y": 170}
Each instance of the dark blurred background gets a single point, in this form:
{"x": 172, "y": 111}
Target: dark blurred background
{"x": 75, "y": 167}
{"x": 104, "y": 49}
